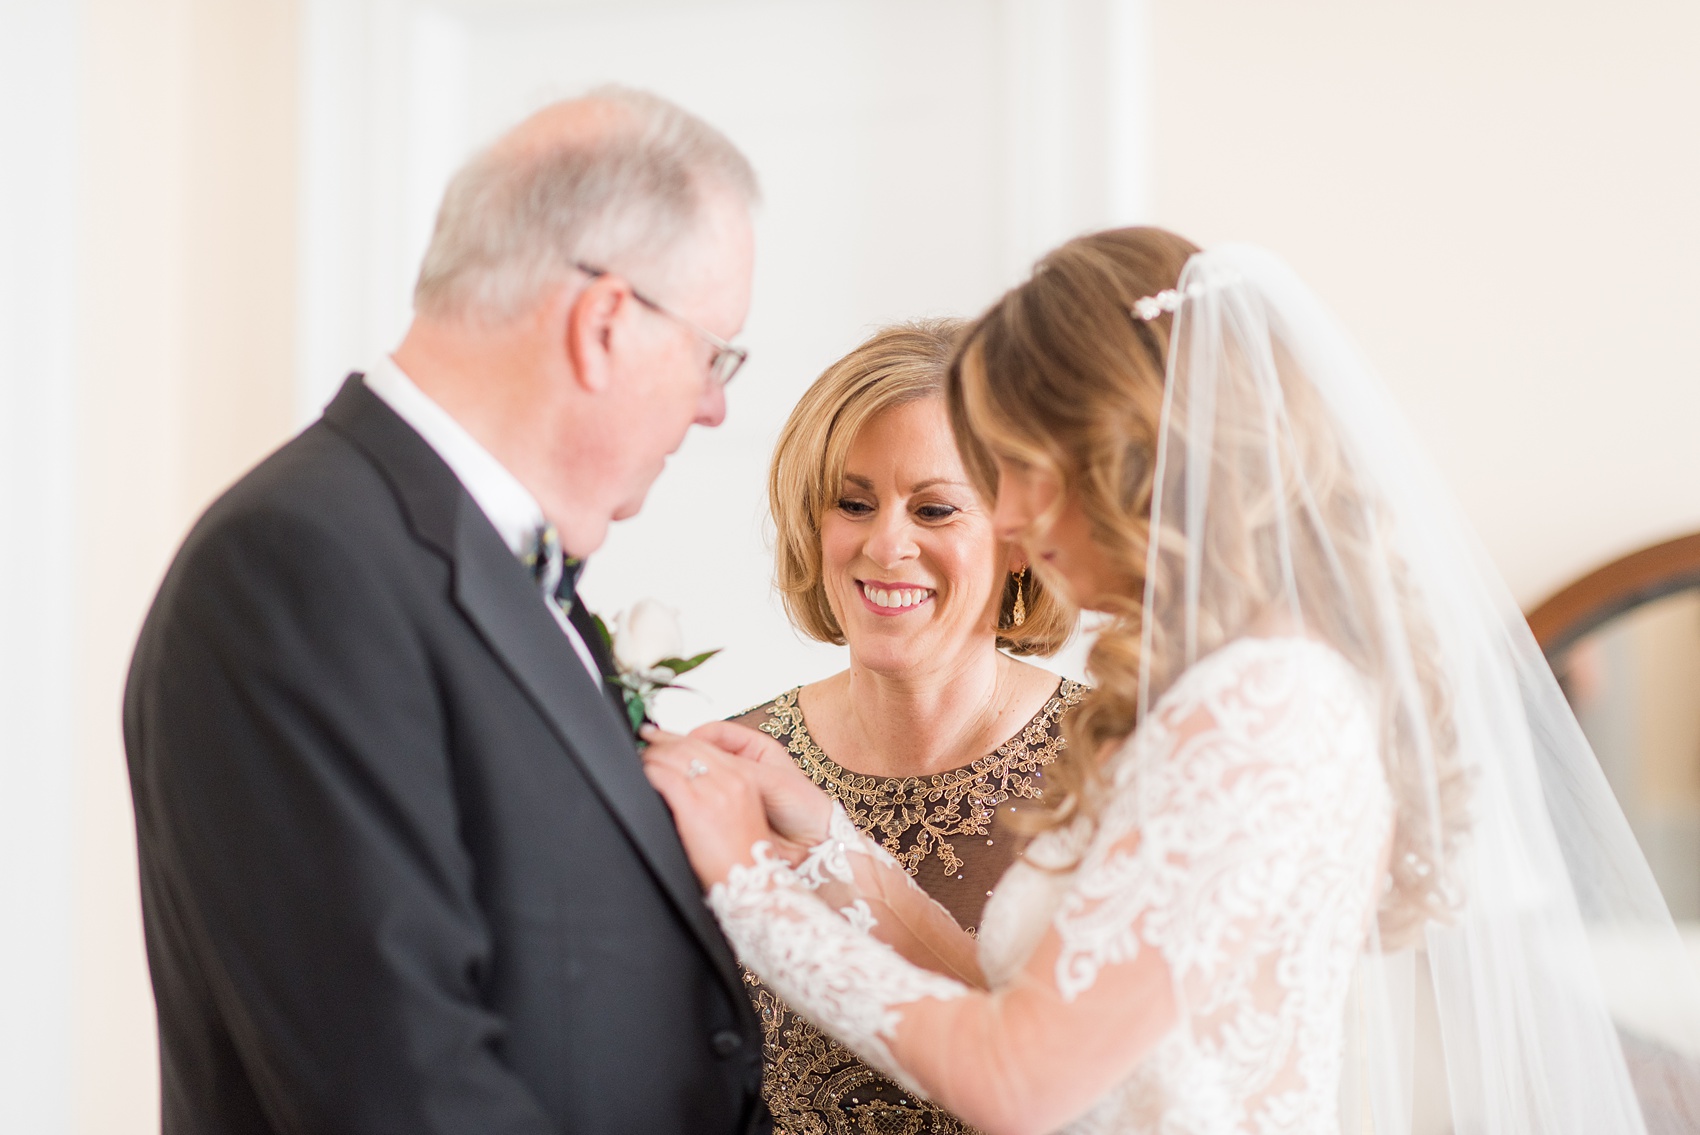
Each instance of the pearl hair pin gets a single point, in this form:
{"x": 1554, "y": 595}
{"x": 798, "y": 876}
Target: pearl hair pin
{"x": 1169, "y": 299}
{"x": 1148, "y": 308}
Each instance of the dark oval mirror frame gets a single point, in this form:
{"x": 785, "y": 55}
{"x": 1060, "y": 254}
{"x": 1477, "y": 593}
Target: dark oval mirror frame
{"x": 1619, "y": 586}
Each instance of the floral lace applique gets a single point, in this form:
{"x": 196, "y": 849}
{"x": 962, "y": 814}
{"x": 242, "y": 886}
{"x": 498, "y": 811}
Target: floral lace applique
{"x": 1243, "y": 838}
{"x": 811, "y": 956}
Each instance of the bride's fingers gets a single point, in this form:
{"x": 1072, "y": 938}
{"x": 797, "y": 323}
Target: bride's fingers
{"x": 695, "y": 761}
{"x": 673, "y": 766}
{"x": 665, "y": 780}
{"x": 735, "y": 739}
{"x": 743, "y": 742}
{"x": 681, "y": 750}
{"x": 676, "y": 792}
{"x": 679, "y": 787}
{"x": 681, "y": 792}
{"x": 665, "y": 746}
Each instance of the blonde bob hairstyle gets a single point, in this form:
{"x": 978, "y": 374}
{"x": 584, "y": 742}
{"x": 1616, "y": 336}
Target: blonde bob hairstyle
{"x": 1060, "y": 376}
{"x": 894, "y": 367}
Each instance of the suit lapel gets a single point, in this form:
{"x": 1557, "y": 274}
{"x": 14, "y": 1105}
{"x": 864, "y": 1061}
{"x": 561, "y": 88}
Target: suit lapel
{"x": 497, "y": 595}
{"x": 585, "y": 625}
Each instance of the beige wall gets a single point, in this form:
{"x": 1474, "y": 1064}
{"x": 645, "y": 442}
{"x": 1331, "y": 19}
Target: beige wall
{"x": 1500, "y": 200}
{"x": 186, "y": 331}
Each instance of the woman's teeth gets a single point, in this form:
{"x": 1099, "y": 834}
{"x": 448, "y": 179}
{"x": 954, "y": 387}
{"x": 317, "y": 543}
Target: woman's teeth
{"x": 899, "y": 597}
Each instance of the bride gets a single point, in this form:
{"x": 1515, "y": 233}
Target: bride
{"x": 1323, "y": 757}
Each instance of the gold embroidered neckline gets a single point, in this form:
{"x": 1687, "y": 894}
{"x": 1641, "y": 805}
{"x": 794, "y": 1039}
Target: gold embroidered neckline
{"x": 889, "y": 808}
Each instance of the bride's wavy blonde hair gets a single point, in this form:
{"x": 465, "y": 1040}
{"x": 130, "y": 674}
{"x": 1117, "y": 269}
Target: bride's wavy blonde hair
{"x": 1060, "y": 376}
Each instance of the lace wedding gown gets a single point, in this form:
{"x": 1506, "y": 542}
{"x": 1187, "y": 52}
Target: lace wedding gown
{"x": 1239, "y": 853}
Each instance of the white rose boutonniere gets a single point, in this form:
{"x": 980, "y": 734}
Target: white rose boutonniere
{"x": 647, "y": 647}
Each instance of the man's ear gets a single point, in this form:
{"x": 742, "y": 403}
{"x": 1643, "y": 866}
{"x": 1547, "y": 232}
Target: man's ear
{"x": 587, "y": 326}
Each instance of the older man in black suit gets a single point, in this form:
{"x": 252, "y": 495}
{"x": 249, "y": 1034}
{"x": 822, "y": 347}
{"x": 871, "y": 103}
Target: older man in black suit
{"x": 401, "y": 869}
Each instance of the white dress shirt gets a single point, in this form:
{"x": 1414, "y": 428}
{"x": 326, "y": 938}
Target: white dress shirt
{"x": 510, "y": 506}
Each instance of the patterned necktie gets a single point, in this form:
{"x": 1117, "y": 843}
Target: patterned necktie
{"x": 555, "y": 572}
{"x": 556, "y": 575}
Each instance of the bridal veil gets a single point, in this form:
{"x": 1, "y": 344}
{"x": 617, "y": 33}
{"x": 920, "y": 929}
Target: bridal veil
{"x": 1288, "y": 493}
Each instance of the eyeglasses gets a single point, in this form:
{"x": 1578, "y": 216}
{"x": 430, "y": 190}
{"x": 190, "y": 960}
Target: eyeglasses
{"x": 728, "y": 357}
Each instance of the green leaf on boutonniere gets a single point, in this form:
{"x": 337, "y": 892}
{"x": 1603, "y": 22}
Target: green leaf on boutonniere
{"x": 602, "y": 629}
{"x": 635, "y": 712}
{"x": 685, "y": 665}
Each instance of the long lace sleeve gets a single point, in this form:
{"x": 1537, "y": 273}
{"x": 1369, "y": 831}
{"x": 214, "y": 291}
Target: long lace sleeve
{"x": 862, "y": 881}
{"x": 826, "y": 964}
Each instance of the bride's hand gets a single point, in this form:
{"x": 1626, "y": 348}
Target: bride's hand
{"x": 796, "y": 807}
{"x": 716, "y": 803}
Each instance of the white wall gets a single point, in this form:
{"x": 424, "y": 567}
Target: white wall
{"x": 915, "y": 159}
{"x": 1500, "y": 200}
{"x": 146, "y": 329}
{"x": 38, "y": 117}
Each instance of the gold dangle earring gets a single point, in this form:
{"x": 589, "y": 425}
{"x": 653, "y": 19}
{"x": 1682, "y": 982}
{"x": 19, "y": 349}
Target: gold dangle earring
{"x": 1018, "y": 613}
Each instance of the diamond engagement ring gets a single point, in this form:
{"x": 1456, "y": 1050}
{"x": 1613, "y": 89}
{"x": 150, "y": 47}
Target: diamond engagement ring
{"x": 694, "y": 770}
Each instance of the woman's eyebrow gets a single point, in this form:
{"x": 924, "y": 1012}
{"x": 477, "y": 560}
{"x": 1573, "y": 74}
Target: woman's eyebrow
{"x": 862, "y": 482}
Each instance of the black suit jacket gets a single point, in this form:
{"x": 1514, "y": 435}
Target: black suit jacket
{"x": 401, "y": 870}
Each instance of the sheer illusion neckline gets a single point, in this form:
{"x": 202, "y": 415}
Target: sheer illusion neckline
{"x": 788, "y": 709}
{"x": 958, "y": 801}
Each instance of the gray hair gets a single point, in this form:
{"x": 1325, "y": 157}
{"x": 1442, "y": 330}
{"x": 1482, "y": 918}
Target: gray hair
{"x": 515, "y": 220}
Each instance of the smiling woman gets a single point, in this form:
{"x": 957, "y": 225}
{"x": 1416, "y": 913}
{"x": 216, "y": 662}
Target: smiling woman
{"x": 935, "y": 735}
{"x": 812, "y": 476}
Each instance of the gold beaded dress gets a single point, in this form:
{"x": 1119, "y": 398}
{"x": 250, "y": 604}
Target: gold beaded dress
{"x": 950, "y": 831}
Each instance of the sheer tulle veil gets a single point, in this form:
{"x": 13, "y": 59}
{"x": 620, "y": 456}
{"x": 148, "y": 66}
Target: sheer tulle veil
{"x": 1290, "y": 498}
